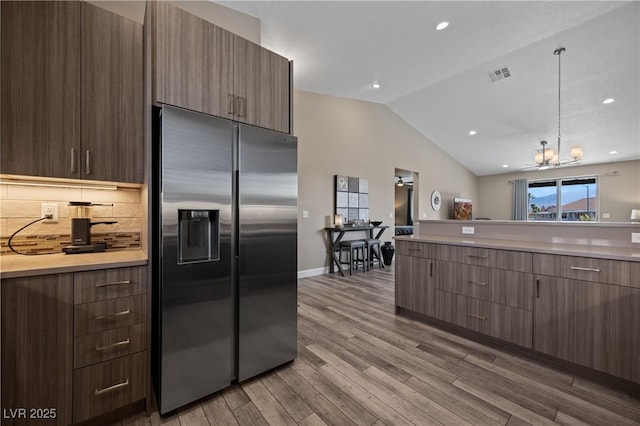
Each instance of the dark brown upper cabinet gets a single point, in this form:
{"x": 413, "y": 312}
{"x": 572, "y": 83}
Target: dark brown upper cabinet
{"x": 72, "y": 92}
{"x": 112, "y": 97}
{"x": 40, "y": 73}
{"x": 202, "y": 67}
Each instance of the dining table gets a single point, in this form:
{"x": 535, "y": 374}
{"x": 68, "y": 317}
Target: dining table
{"x": 335, "y": 235}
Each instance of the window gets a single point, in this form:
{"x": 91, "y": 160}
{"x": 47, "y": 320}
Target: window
{"x": 565, "y": 199}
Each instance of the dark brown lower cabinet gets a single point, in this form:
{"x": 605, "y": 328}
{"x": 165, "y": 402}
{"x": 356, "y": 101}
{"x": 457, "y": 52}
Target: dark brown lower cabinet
{"x": 103, "y": 387}
{"x": 499, "y": 321}
{"x": 51, "y": 378}
{"x": 415, "y": 284}
{"x": 509, "y": 288}
{"x": 37, "y": 350}
{"x": 591, "y": 324}
{"x": 578, "y": 309}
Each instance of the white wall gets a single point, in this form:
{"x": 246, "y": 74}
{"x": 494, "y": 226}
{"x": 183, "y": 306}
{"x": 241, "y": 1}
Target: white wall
{"x": 619, "y": 192}
{"x": 367, "y": 140}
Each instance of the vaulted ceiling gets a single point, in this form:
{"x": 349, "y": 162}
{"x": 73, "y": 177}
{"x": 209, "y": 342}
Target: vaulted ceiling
{"x": 438, "y": 80}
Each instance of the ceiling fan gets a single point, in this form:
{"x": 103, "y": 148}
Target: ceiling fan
{"x": 401, "y": 182}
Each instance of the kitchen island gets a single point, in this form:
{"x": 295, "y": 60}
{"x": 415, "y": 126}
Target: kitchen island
{"x": 568, "y": 292}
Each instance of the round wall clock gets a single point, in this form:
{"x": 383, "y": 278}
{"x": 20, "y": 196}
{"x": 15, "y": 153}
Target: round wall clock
{"x": 436, "y": 200}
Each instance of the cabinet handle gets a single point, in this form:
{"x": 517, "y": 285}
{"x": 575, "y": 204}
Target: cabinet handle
{"x": 580, "y": 268}
{"x": 537, "y": 289}
{"x": 431, "y": 269}
{"x": 481, "y": 317}
{"x": 229, "y": 104}
{"x": 113, "y": 283}
{"x": 415, "y": 249}
{"x": 113, "y": 345}
{"x": 87, "y": 162}
{"x": 117, "y": 314}
{"x": 73, "y": 160}
{"x": 239, "y": 100}
{"x": 111, "y": 388}
{"x": 477, "y": 283}
{"x": 477, "y": 257}
{"x": 243, "y": 105}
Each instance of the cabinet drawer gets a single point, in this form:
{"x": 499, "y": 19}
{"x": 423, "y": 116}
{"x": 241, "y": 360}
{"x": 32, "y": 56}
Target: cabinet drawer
{"x": 588, "y": 269}
{"x": 106, "y": 386}
{"x": 94, "y": 286}
{"x": 114, "y": 313}
{"x": 503, "y": 322}
{"x": 99, "y": 347}
{"x": 501, "y": 259}
{"x": 414, "y": 248}
{"x": 510, "y": 288}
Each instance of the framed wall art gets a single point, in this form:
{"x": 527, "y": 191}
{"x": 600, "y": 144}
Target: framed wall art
{"x": 352, "y": 198}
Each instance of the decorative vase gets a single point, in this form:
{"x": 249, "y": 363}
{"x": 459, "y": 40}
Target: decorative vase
{"x": 387, "y": 250}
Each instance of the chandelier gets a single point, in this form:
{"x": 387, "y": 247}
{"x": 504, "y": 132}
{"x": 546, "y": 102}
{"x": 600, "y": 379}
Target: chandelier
{"x": 546, "y": 157}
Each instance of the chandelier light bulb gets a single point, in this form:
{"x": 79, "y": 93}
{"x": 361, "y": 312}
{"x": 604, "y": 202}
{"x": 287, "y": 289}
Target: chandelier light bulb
{"x": 576, "y": 152}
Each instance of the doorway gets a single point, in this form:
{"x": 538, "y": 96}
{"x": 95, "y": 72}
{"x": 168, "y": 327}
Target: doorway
{"x": 406, "y": 200}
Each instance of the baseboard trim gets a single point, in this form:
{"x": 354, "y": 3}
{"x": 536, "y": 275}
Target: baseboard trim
{"x": 313, "y": 272}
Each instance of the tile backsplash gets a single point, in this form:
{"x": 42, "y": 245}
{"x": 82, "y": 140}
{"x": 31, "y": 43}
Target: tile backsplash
{"x": 20, "y": 205}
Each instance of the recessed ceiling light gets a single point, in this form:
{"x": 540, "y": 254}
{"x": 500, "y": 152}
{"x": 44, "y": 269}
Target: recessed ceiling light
{"x": 613, "y": 152}
{"x": 375, "y": 85}
{"x": 472, "y": 132}
{"x": 505, "y": 166}
{"x": 442, "y": 25}
{"x": 608, "y": 101}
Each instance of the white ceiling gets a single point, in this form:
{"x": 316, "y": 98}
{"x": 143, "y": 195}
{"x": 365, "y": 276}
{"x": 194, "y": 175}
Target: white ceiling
{"x": 437, "y": 80}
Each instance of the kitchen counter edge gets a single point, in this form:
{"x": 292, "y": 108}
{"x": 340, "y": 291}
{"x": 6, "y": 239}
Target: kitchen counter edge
{"x": 595, "y": 251}
{"x": 16, "y": 266}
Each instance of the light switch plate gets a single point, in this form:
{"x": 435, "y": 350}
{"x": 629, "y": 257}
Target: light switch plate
{"x": 305, "y": 214}
{"x": 468, "y": 230}
{"x": 635, "y": 237}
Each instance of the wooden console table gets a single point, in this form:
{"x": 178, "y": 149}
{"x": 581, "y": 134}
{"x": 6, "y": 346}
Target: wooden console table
{"x": 333, "y": 242}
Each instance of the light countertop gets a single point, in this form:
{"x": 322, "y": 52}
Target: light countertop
{"x": 16, "y": 266}
{"x": 585, "y": 250}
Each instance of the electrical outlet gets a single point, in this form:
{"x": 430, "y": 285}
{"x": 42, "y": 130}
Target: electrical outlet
{"x": 606, "y": 216}
{"x": 49, "y": 209}
{"x": 635, "y": 237}
{"x": 468, "y": 230}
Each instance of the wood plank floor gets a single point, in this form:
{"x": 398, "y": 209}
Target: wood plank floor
{"x": 360, "y": 364}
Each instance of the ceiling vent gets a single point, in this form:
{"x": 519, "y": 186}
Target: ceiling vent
{"x": 499, "y": 74}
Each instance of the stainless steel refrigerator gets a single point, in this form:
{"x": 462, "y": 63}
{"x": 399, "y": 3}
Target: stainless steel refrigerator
{"x": 224, "y": 219}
